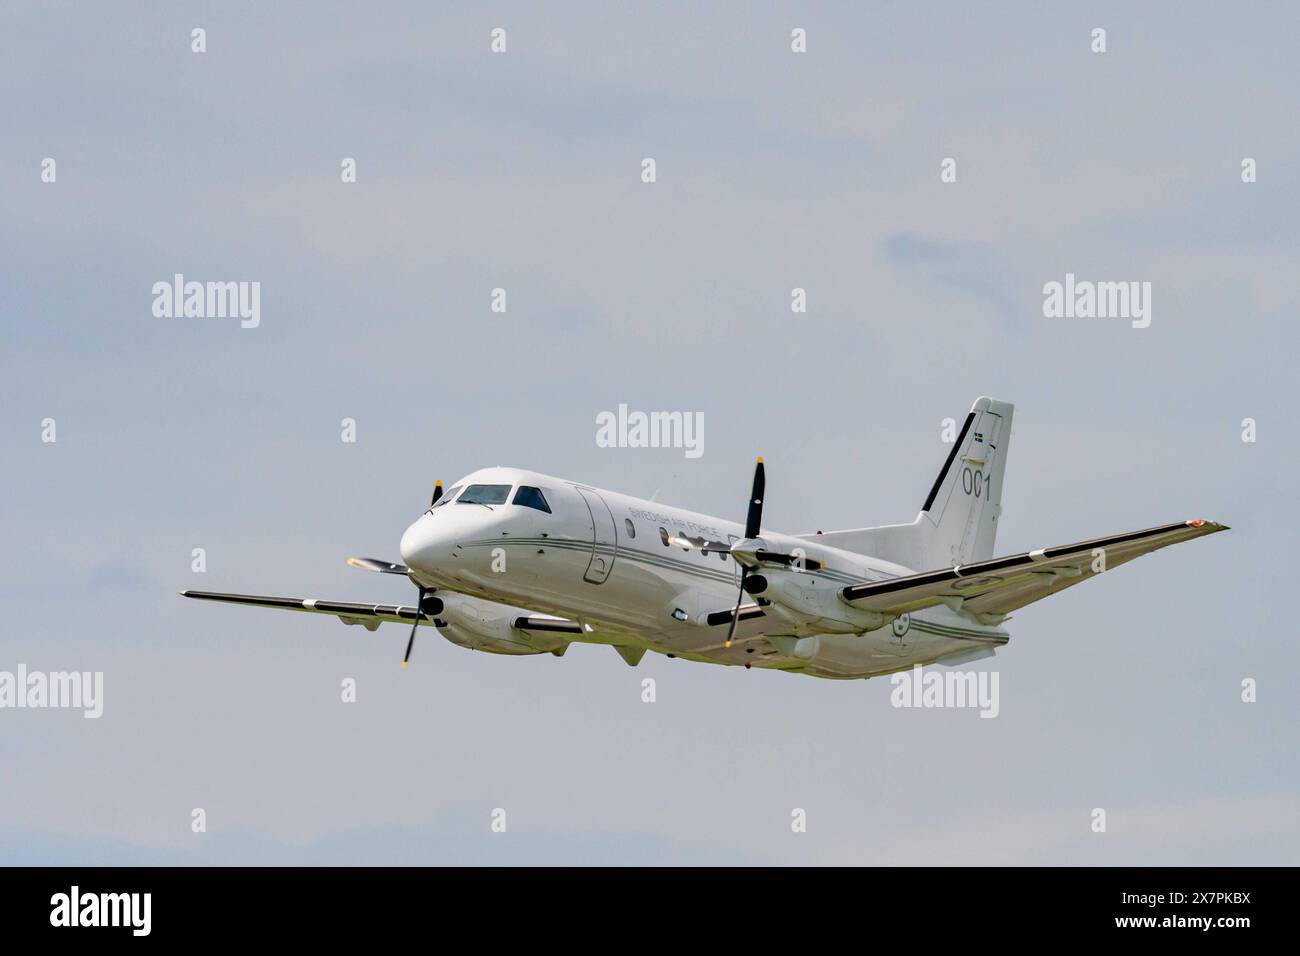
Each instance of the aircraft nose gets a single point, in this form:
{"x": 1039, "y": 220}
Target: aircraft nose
{"x": 422, "y": 544}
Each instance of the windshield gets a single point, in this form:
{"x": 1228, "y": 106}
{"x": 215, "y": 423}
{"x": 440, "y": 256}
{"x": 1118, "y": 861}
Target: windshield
{"x": 484, "y": 495}
{"x": 449, "y": 496}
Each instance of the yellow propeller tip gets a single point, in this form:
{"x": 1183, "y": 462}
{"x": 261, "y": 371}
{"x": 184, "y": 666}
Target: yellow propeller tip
{"x": 403, "y": 663}
{"x": 438, "y": 483}
{"x": 728, "y": 643}
{"x": 760, "y": 459}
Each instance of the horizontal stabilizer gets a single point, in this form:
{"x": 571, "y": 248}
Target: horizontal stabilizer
{"x": 989, "y": 590}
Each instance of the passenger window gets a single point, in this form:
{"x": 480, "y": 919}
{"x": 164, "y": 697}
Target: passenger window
{"x": 663, "y": 536}
{"x": 631, "y": 528}
{"x": 485, "y": 495}
{"x": 532, "y": 498}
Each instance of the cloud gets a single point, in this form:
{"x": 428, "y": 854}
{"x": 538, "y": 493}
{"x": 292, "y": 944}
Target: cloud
{"x": 971, "y": 269}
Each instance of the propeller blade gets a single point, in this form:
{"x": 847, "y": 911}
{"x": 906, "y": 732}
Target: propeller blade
{"x": 755, "y": 516}
{"x": 419, "y": 610}
{"x": 695, "y": 544}
{"x": 375, "y": 564}
{"x": 437, "y": 493}
{"x": 735, "y": 614}
{"x": 753, "y": 523}
{"x": 789, "y": 560}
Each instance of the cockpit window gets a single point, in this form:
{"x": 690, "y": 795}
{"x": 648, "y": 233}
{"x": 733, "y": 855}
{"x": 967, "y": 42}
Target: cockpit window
{"x": 532, "y": 498}
{"x": 485, "y": 495}
{"x": 448, "y": 497}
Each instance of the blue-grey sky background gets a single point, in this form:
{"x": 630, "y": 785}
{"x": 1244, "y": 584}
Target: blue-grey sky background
{"x": 522, "y": 171}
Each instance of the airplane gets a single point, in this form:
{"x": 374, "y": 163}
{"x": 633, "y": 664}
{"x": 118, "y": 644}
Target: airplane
{"x": 510, "y": 561}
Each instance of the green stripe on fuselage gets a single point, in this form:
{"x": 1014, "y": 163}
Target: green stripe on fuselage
{"x": 638, "y": 555}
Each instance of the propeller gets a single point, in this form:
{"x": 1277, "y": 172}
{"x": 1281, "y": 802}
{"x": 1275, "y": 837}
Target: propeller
{"x": 419, "y": 612}
{"x": 420, "y": 590}
{"x": 746, "y": 552}
{"x": 753, "y": 519}
{"x": 391, "y": 567}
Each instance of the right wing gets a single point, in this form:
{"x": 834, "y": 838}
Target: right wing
{"x": 368, "y": 616}
{"x": 995, "y": 588}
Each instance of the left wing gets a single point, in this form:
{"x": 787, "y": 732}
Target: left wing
{"x": 992, "y": 589}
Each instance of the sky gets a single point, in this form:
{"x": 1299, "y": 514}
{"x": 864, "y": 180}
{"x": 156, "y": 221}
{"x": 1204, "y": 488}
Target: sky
{"x": 522, "y": 170}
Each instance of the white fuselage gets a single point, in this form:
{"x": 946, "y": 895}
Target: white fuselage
{"x": 615, "y": 564}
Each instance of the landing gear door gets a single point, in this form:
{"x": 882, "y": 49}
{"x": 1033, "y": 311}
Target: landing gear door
{"x": 604, "y": 544}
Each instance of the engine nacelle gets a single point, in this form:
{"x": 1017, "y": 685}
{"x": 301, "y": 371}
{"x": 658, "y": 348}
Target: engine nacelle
{"x": 812, "y": 603}
{"x": 484, "y": 626}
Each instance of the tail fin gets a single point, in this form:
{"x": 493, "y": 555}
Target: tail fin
{"x": 959, "y": 520}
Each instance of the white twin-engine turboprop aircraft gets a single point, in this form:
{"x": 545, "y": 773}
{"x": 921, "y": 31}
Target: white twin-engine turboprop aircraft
{"x": 514, "y": 562}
